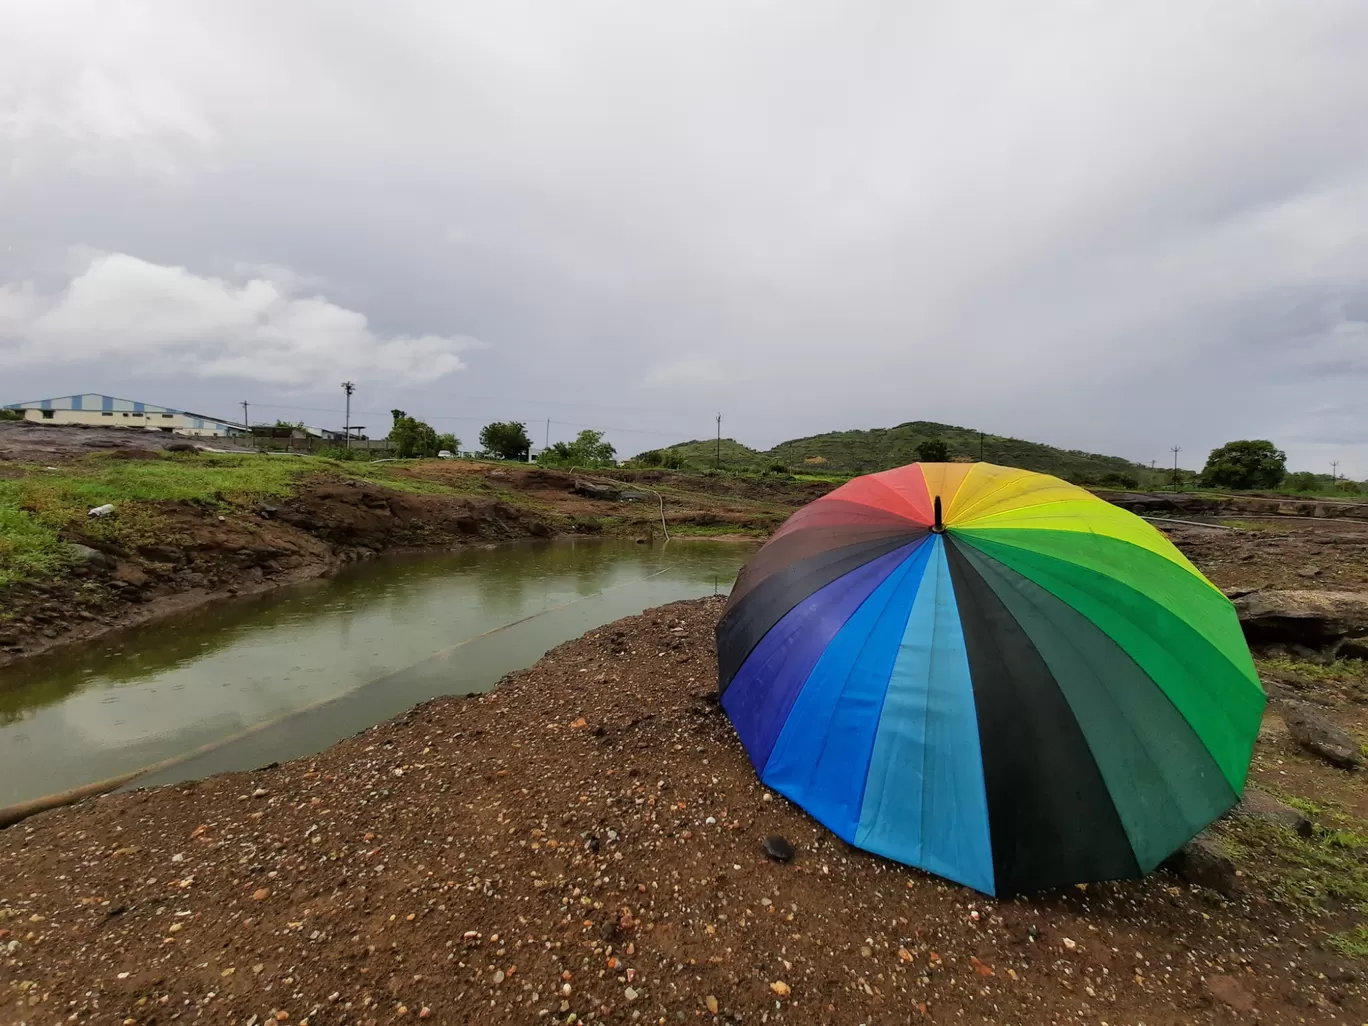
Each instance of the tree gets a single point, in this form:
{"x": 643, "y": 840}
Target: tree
{"x": 649, "y": 458}
{"x": 933, "y": 450}
{"x": 1245, "y": 464}
{"x": 409, "y": 437}
{"x": 448, "y": 443}
{"x": 506, "y": 439}
{"x": 587, "y": 450}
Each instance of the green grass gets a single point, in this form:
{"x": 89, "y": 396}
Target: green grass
{"x": 1262, "y": 526}
{"x": 1338, "y": 671}
{"x": 1354, "y": 944}
{"x": 28, "y": 548}
{"x": 1299, "y": 871}
{"x": 39, "y": 504}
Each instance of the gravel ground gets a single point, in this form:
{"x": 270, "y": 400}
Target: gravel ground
{"x": 585, "y": 845}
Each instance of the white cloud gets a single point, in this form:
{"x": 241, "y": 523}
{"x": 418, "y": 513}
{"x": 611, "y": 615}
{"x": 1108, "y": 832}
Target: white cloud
{"x": 169, "y": 321}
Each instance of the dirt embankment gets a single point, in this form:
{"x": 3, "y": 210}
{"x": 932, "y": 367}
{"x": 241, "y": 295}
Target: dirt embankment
{"x": 208, "y": 550}
{"x": 190, "y": 552}
{"x": 585, "y": 845}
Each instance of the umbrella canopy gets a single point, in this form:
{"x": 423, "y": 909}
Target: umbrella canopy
{"x": 991, "y": 674}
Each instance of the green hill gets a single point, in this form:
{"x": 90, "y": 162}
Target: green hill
{"x": 855, "y": 452}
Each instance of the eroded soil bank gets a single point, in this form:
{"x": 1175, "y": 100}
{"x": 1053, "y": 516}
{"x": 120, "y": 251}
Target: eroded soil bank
{"x": 154, "y": 557}
{"x": 585, "y": 844}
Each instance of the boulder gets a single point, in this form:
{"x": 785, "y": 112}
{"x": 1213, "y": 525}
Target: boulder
{"x": 1204, "y": 861}
{"x": 1261, "y": 805}
{"x": 94, "y": 558}
{"x": 180, "y": 447}
{"x": 595, "y": 490}
{"x": 1320, "y": 735}
{"x": 160, "y": 553}
{"x": 1317, "y": 619}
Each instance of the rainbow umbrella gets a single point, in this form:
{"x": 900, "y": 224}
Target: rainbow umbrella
{"x": 990, "y": 674}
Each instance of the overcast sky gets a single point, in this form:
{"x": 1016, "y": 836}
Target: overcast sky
{"x": 1115, "y": 227}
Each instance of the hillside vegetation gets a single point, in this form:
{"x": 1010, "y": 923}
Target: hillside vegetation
{"x": 854, "y": 452}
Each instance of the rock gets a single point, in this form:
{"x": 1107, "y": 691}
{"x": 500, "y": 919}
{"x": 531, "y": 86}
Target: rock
{"x": 130, "y": 575}
{"x": 1316, "y": 619}
{"x": 595, "y": 490}
{"x": 1228, "y": 991}
{"x": 1204, "y": 861}
{"x": 1309, "y": 571}
{"x": 102, "y": 511}
{"x": 781, "y": 988}
{"x": 180, "y": 447}
{"x": 635, "y": 495}
{"x": 1260, "y": 805}
{"x": 537, "y": 529}
{"x": 160, "y": 553}
{"x": 87, "y": 556}
{"x": 711, "y": 1003}
{"x": 777, "y": 848}
{"x": 630, "y": 994}
{"x": 1319, "y": 735}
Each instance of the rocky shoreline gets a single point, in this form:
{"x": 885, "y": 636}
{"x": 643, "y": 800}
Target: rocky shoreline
{"x": 587, "y": 844}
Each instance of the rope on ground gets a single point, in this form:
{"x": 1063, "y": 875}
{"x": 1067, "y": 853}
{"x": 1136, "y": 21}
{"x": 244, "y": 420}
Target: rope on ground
{"x": 1189, "y": 523}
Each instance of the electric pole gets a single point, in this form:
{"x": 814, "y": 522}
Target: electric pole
{"x": 245, "y": 423}
{"x": 1334, "y": 472}
{"x": 718, "y": 463}
{"x": 980, "y": 446}
{"x": 1176, "y": 450}
{"x": 548, "y": 435}
{"x": 349, "y": 388}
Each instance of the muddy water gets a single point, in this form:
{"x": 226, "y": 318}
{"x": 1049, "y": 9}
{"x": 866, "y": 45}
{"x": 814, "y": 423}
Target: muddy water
{"x": 289, "y": 673}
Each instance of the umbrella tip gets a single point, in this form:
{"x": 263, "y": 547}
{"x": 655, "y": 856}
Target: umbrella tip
{"x": 939, "y": 524}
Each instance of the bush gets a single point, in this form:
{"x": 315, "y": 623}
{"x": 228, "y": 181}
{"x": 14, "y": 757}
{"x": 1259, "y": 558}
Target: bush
{"x": 1113, "y": 479}
{"x": 778, "y": 468}
{"x": 933, "y": 450}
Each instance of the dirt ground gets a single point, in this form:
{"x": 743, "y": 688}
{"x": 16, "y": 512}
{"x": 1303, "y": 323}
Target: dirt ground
{"x": 585, "y": 845}
{"x": 1285, "y": 554}
{"x": 29, "y": 442}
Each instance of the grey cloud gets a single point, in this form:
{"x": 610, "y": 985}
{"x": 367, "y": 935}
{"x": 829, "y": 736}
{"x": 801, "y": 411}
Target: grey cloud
{"x": 1108, "y": 227}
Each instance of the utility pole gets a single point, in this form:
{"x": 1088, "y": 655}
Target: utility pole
{"x": 349, "y": 388}
{"x": 980, "y": 446}
{"x": 718, "y": 462}
{"x": 548, "y": 435}
{"x": 1334, "y": 472}
{"x": 245, "y": 422}
{"x": 1176, "y": 450}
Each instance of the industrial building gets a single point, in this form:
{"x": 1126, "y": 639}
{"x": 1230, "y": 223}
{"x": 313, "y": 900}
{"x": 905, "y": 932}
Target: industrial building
{"x": 94, "y": 410}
